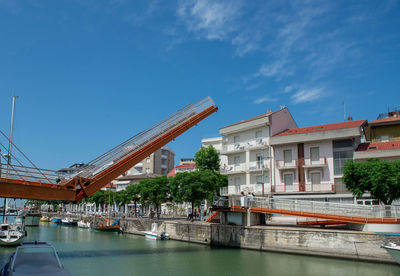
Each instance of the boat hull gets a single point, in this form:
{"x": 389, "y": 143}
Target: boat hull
{"x": 114, "y": 228}
{"x": 155, "y": 236}
{"x": 32, "y": 220}
{"x": 12, "y": 241}
{"x": 394, "y": 252}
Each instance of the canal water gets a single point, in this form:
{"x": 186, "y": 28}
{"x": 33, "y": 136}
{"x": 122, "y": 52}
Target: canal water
{"x": 85, "y": 252}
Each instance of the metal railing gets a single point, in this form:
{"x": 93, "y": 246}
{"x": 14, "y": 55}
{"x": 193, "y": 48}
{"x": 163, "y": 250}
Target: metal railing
{"x": 316, "y": 207}
{"x": 30, "y": 174}
{"x": 142, "y": 139}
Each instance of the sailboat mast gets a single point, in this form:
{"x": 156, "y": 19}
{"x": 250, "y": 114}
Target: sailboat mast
{"x": 109, "y": 206}
{"x": 9, "y": 150}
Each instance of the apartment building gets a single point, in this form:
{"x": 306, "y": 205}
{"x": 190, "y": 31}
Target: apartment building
{"x": 383, "y": 138}
{"x": 309, "y": 160}
{"x": 185, "y": 165}
{"x": 246, "y": 155}
{"x": 158, "y": 163}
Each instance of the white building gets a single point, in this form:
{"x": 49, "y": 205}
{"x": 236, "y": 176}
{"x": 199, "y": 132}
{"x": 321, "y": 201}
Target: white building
{"x": 245, "y": 152}
{"x": 309, "y": 160}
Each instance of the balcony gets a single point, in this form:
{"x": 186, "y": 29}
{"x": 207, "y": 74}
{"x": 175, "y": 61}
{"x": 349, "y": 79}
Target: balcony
{"x": 282, "y": 165}
{"x": 237, "y": 190}
{"x": 254, "y": 167}
{"x": 321, "y": 162}
{"x": 234, "y": 169}
{"x": 253, "y": 144}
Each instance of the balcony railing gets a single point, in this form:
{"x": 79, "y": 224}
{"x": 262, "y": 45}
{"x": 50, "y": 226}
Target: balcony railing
{"x": 321, "y": 162}
{"x": 280, "y": 164}
{"x": 242, "y": 168}
{"x": 247, "y": 145}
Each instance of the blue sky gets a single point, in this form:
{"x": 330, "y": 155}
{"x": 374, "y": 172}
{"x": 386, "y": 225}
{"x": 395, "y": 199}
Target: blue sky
{"x": 91, "y": 73}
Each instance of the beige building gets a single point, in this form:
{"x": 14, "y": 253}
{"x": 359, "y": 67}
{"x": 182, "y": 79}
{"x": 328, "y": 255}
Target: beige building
{"x": 158, "y": 163}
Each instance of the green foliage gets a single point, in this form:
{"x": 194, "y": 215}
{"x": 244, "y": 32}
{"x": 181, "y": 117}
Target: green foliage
{"x": 207, "y": 159}
{"x": 154, "y": 191}
{"x": 195, "y": 186}
{"x": 380, "y": 178}
{"x": 99, "y": 198}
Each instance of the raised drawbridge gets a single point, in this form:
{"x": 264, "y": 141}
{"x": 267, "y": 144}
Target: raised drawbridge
{"x": 25, "y": 180}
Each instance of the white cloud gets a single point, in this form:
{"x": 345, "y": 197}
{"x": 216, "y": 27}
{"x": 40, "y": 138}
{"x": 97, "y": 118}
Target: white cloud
{"x": 210, "y": 19}
{"x": 307, "y": 95}
{"x": 288, "y": 88}
{"x": 264, "y": 99}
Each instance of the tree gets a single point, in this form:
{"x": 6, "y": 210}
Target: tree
{"x": 207, "y": 159}
{"x": 133, "y": 193}
{"x": 193, "y": 187}
{"x": 155, "y": 191}
{"x": 99, "y": 198}
{"x": 380, "y": 178}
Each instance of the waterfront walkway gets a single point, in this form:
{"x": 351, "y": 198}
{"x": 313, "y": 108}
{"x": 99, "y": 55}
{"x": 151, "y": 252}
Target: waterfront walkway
{"x": 379, "y": 214}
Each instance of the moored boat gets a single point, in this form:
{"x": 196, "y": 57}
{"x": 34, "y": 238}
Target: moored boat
{"x": 11, "y": 234}
{"x": 56, "y": 220}
{"x": 393, "y": 249}
{"x": 69, "y": 221}
{"x": 45, "y": 219}
{"x": 107, "y": 227}
{"x": 34, "y": 258}
{"x": 154, "y": 234}
{"x": 83, "y": 224}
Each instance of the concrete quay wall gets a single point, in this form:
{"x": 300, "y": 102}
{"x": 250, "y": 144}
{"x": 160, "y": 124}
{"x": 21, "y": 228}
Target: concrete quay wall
{"x": 318, "y": 242}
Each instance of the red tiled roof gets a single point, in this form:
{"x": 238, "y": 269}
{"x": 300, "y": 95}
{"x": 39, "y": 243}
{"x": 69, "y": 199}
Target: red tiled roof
{"x": 186, "y": 166}
{"x": 379, "y": 146}
{"x": 171, "y": 173}
{"x": 310, "y": 129}
{"x": 385, "y": 120}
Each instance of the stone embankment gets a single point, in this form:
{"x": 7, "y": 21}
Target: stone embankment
{"x": 319, "y": 242}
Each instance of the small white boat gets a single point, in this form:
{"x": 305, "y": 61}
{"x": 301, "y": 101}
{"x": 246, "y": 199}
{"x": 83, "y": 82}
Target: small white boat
{"x": 154, "y": 235}
{"x": 11, "y": 234}
{"x": 83, "y": 224}
{"x": 393, "y": 249}
{"x": 34, "y": 258}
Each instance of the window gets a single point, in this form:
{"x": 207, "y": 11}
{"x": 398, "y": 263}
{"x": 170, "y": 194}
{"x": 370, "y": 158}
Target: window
{"x": 259, "y": 158}
{"x": 260, "y": 179}
{"x": 148, "y": 160}
{"x": 315, "y": 178}
{"x": 236, "y": 139}
{"x": 288, "y": 180}
{"x": 236, "y": 160}
{"x": 287, "y": 156}
{"x": 342, "y": 144}
{"x": 258, "y": 134}
{"x": 164, "y": 171}
{"x": 164, "y": 162}
{"x": 340, "y": 187}
{"x": 340, "y": 158}
{"x": 237, "y": 181}
{"x": 147, "y": 170}
{"x": 314, "y": 155}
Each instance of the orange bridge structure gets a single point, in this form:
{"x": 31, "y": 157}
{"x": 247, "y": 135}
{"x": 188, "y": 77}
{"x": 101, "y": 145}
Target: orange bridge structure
{"x": 19, "y": 180}
{"x": 330, "y": 213}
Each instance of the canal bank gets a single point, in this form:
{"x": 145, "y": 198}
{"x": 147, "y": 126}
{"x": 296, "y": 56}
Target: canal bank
{"x": 305, "y": 241}
{"x": 318, "y": 242}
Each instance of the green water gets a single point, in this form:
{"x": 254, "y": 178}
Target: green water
{"x": 85, "y": 252}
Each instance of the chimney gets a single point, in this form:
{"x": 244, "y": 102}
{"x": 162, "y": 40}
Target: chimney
{"x": 349, "y": 118}
{"x": 269, "y": 111}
